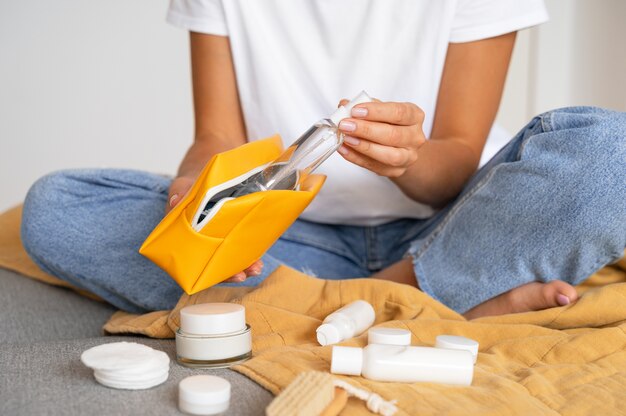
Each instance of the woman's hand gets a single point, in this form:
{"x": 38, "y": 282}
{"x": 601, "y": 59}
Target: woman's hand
{"x": 383, "y": 137}
{"x": 219, "y": 121}
{"x": 178, "y": 190}
{"x": 253, "y": 270}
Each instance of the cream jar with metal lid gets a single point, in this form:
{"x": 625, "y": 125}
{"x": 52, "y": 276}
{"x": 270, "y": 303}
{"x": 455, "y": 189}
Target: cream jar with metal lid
{"x": 213, "y": 335}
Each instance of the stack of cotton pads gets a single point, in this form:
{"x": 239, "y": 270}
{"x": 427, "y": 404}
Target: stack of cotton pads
{"x": 127, "y": 365}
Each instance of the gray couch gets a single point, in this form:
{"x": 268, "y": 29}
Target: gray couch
{"x": 43, "y": 331}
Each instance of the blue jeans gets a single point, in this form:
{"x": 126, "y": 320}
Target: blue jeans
{"x": 550, "y": 205}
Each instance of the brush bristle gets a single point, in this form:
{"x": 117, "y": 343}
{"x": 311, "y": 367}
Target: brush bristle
{"x": 307, "y": 395}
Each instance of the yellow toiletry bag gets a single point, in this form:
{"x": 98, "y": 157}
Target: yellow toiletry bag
{"x": 199, "y": 252}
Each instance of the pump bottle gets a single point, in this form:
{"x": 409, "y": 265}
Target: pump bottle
{"x": 404, "y": 364}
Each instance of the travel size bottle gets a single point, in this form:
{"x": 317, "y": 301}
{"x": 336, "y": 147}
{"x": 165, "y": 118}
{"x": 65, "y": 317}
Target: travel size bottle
{"x": 298, "y": 161}
{"x": 404, "y": 364}
{"x": 347, "y": 322}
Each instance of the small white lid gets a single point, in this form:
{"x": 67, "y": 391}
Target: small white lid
{"x": 455, "y": 342}
{"x": 328, "y": 334}
{"x": 204, "y": 390}
{"x": 389, "y": 336}
{"x": 347, "y": 360}
{"x": 345, "y": 110}
{"x": 213, "y": 318}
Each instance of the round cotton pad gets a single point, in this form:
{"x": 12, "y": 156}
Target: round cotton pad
{"x": 132, "y": 385}
{"x": 121, "y": 355}
{"x": 127, "y": 365}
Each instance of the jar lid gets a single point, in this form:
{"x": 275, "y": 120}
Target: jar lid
{"x": 203, "y": 394}
{"x": 455, "y": 342}
{"x": 389, "y": 336}
{"x": 328, "y": 334}
{"x": 213, "y": 318}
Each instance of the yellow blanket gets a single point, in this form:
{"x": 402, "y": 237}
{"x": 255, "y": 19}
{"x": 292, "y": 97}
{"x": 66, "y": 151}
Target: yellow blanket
{"x": 569, "y": 360}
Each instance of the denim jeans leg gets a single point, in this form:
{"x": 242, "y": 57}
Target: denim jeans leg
{"x": 551, "y": 205}
{"x": 320, "y": 250}
{"x": 86, "y": 226}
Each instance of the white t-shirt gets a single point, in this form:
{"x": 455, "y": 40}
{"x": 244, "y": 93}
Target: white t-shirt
{"x": 295, "y": 59}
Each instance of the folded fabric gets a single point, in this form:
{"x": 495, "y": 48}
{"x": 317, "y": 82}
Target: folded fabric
{"x": 209, "y": 236}
{"x": 568, "y": 360}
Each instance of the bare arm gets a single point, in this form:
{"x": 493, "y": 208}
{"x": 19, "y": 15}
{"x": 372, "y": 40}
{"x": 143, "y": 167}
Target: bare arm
{"x": 390, "y": 136}
{"x": 219, "y": 124}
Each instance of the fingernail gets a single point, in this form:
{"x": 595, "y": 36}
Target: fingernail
{"x": 562, "y": 300}
{"x": 343, "y": 150}
{"x": 255, "y": 272}
{"x": 347, "y": 125}
{"x": 351, "y": 140}
{"x": 359, "y": 112}
{"x": 173, "y": 199}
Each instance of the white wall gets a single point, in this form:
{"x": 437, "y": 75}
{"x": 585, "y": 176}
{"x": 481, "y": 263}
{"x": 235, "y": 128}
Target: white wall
{"x": 578, "y": 58}
{"x": 94, "y": 83}
{"x": 90, "y": 84}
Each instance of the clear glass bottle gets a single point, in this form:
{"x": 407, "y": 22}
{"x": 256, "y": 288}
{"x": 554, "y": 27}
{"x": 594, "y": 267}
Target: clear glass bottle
{"x": 298, "y": 161}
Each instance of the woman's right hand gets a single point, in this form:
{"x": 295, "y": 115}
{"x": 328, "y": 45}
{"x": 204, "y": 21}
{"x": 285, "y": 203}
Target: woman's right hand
{"x": 253, "y": 270}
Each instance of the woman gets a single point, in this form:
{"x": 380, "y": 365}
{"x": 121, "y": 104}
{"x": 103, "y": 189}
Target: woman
{"x": 403, "y": 200}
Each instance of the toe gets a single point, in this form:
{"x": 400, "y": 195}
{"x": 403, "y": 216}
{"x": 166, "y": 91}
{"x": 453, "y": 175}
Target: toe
{"x": 558, "y": 293}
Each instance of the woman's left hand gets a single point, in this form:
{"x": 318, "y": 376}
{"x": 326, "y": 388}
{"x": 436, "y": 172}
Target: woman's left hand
{"x": 383, "y": 137}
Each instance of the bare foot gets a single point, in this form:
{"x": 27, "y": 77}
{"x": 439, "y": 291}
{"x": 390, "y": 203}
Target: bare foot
{"x": 532, "y": 296}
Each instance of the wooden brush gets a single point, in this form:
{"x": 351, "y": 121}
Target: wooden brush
{"x": 314, "y": 393}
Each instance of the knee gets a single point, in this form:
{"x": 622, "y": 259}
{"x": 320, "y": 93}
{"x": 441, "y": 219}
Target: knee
{"x": 597, "y": 134}
{"x": 41, "y": 214}
{"x": 579, "y": 167}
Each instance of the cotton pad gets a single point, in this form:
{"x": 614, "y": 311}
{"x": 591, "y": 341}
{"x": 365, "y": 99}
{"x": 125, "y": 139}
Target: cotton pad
{"x": 127, "y": 365}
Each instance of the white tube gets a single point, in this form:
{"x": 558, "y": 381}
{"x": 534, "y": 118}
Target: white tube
{"x": 347, "y": 322}
{"x": 404, "y": 364}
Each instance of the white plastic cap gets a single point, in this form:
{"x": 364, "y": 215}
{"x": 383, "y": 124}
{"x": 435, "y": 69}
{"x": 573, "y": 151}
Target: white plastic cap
{"x": 455, "y": 342}
{"x": 203, "y": 395}
{"x": 347, "y": 360}
{"x": 345, "y": 110}
{"x": 389, "y": 336}
{"x": 213, "y": 318}
{"x": 328, "y": 334}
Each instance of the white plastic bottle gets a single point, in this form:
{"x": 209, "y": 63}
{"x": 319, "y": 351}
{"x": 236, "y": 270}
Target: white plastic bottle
{"x": 404, "y": 364}
{"x": 347, "y": 322}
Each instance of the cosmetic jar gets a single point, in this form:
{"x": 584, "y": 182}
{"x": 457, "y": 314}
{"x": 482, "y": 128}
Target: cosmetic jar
{"x": 203, "y": 395}
{"x": 213, "y": 335}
